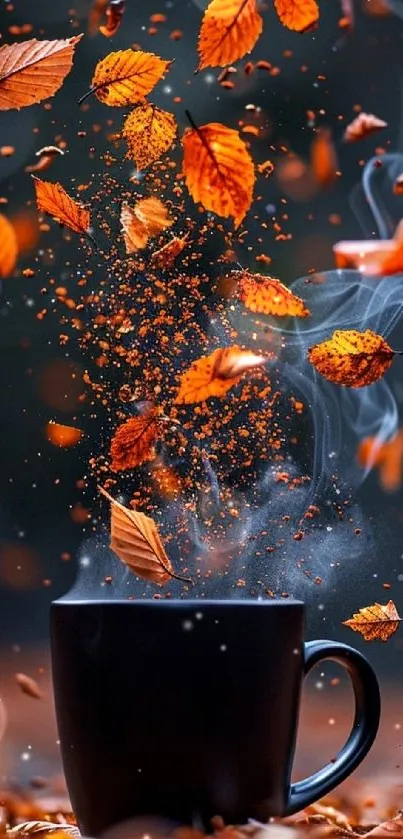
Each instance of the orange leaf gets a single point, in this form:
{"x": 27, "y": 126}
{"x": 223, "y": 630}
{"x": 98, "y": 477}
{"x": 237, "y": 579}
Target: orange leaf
{"x": 372, "y": 257}
{"x": 214, "y": 374}
{"x": 33, "y": 70}
{"x": 165, "y": 256}
{"x": 147, "y": 218}
{"x": 8, "y": 247}
{"x": 388, "y": 457}
{"x": 149, "y": 132}
{"x": 299, "y": 15}
{"x": 268, "y": 296}
{"x": 136, "y": 541}
{"x": 125, "y": 77}
{"x": 375, "y": 623}
{"x": 229, "y": 30}
{"x": 323, "y": 157}
{"x": 53, "y": 199}
{"x": 62, "y": 435}
{"x": 113, "y": 14}
{"x": 362, "y": 126}
{"x": 352, "y": 358}
{"x": 218, "y": 170}
{"x": 133, "y": 441}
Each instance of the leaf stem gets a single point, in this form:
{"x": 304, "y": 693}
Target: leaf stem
{"x": 89, "y": 93}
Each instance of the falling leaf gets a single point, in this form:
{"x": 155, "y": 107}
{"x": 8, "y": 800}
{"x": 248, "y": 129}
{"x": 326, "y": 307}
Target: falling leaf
{"x": 136, "y": 541}
{"x": 299, "y": 15}
{"x": 63, "y": 435}
{"x": 133, "y": 441}
{"x": 375, "y": 623}
{"x": 95, "y": 15}
{"x": 351, "y": 358}
{"x": 362, "y": 126}
{"x": 268, "y": 296}
{"x": 165, "y": 256}
{"x": 113, "y": 13}
{"x": 372, "y": 257}
{"x": 218, "y": 170}
{"x": 215, "y": 374}
{"x": 386, "y": 456}
{"x": 398, "y": 185}
{"x": 229, "y": 30}
{"x": 28, "y": 685}
{"x": 53, "y": 199}
{"x": 46, "y": 157}
{"x": 323, "y": 157}
{"x": 8, "y": 247}
{"x": 149, "y": 132}
{"x": 33, "y": 70}
{"x": 126, "y": 77}
{"x": 147, "y": 218}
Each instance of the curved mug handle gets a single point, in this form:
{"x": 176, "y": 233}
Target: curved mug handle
{"x": 363, "y": 732}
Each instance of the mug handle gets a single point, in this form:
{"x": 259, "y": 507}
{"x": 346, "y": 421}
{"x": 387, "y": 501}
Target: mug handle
{"x": 363, "y": 732}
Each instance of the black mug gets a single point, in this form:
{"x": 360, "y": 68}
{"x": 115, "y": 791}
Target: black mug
{"x": 189, "y": 709}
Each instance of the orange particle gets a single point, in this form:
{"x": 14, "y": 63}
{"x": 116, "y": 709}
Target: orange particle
{"x": 158, "y": 18}
{"x": 6, "y": 151}
{"x": 176, "y": 35}
{"x": 28, "y": 272}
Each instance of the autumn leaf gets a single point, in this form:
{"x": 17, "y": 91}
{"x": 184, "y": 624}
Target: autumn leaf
{"x": 372, "y": 257}
{"x": 299, "y": 15}
{"x": 363, "y": 126}
{"x": 28, "y": 686}
{"x": 63, "y": 435}
{"x": 268, "y": 296}
{"x": 46, "y": 157}
{"x": 147, "y": 218}
{"x": 229, "y": 30}
{"x": 165, "y": 256}
{"x": 218, "y": 170}
{"x": 149, "y": 132}
{"x": 215, "y": 374}
{"x": 136, "y": 541}
{"x": 387, "y": 457}
{"x": 375, "y": 623}
{"x": 323, "y": 158}
{"x": 53, "y": 199}
{"x": 8, "y": 247}
{"x": 351, "y": 358}
{"x": 33, "y": 70}
{"x": 125, "y": 77}
{"x": 113, "y": 14}
{"x": 133, "y": 441}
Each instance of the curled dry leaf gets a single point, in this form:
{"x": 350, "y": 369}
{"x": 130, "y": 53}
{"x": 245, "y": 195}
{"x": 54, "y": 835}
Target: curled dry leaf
{"x": 33, "y": 70}
{"x": 323, "y": 157}
{"x": 375, "y": 623}
{"x": 352, "y": 358}
{"x": 218, "y": 170}
{"x": 215, "y": 374}
{"x": 43, "y": 828}
{"x": 46, "y": 158}
{"x": 8, "y": 247}
{"x": 386, "y": 829}
{"x": 373, "y": 257}
{"x": 268, "y": 296}
{"x": 64, "y": 436}
{"x": 28, "y": 685}
{"x": 53, "y": 199}
{"x": 133, "y": 441}
{"x": 362, "y": 126}
{"x": 125, "y": 77}
{"x": 113, "y": 13}
{"x": 166, "y": 256}
{"x": 147, "y": 218}
{"x": 149, "y": 132}
{"x": 229, "y": 30}
{"x": 299, "y": 15}
{"x": 136, "y": 541}
{"x": 386, "y": 457}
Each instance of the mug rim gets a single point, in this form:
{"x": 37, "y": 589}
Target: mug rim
{"x": 189, "y": 603}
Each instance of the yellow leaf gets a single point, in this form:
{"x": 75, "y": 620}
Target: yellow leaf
{"x": 53, "y": 199}
{"x": 215, "y": 374}
{"x": 8, "y": 247}
{"x": 375, "y": 623}
{"x": 125, "y": 77}
{"x": 33, "y": 70}
{"x": 218, "y": 170}
{"x": 149, "y": 132}
{"x": 136, "y": 541}
{"x": 147, "y": 218}
{"x": 299, "y": 15}
{"x": 352, "y": 358}
{"x": 229, "y": 30}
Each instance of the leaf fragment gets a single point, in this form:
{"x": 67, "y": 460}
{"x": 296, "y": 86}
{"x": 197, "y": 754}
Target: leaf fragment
{"x": 28, "y": 686}
{"x": 218, "y": 170}
{"x": 300, "y": 15}
{"x": 268, "y": 296}
{"x": 149, "y": 132}
{"x": 363, "y": 126}
{"x": 146, "y": 219}
{"x": 229, "y": 30}
{"x": 125, "y": 77}
{"x": 166, "y": 256}
{"x": 8, "y": 247}
{"x": 215, "y": 374}
{"x": 53, "y": 199}
{"x": 352, "y": 358}
{"x": 133, "y": 441}
{"x": 33, "y": 70}
{"x": 375, "y": 623}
